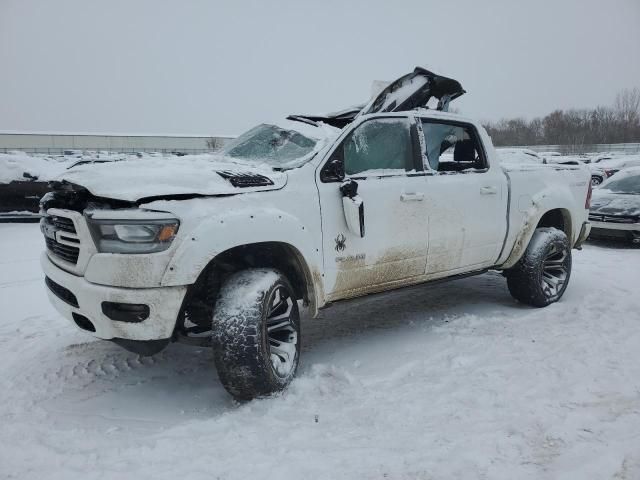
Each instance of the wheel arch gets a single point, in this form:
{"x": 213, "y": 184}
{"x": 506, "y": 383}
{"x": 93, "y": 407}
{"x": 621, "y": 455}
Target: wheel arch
{"x": 559, "y": 218}
{"x": 278, "y": 255}
{"x": 201, "y": 296}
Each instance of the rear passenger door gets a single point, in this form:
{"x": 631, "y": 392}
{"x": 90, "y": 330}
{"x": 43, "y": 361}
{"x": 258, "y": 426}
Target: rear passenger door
{"x": 466, "y": 199}
{"x": 383, "y": 156}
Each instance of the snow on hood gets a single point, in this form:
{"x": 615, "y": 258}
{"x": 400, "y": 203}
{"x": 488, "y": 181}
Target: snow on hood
{"x": 132, "y": 180}
{"x": 208, "y": 174}
{"x": 610, "y": 203}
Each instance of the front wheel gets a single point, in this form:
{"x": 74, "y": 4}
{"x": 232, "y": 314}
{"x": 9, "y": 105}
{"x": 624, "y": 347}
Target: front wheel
{"x": 256, "y": 333}
{"x": 542, "y": 274}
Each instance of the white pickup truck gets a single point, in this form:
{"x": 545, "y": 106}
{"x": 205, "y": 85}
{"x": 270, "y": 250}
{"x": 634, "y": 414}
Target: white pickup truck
{"x": 221, "y": 249}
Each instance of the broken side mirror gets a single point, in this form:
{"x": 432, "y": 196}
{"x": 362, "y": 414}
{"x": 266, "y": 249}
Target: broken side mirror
{"x": 333, "y": 171}
{"x": 353, "y": 207}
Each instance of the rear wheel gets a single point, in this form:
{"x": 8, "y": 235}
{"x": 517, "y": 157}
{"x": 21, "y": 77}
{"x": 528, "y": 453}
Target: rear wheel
{"x": 256, "y": 333}
{"x": 542, "y": 274}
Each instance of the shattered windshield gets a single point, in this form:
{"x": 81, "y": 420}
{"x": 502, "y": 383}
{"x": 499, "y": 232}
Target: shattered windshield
{"x": 278, "y": 147}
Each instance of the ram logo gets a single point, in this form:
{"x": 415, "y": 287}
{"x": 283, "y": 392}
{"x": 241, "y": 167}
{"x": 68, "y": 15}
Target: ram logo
{"x": 341, "y": 243}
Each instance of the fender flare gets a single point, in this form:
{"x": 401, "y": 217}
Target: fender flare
{"x": 541, "y": 204}
{"x": 220, "y": 233}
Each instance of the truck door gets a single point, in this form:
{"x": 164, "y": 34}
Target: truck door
{"x": 466, "y": 199}
{"x": 382, "y": 156}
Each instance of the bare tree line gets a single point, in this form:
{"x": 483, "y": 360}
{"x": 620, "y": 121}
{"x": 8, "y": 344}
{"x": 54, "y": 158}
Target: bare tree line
{"x": 619, "y": 123}
{"x": 215, "y": 143}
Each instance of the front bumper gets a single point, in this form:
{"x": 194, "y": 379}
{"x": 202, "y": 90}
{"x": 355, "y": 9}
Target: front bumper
{"x": 164, "y": 305}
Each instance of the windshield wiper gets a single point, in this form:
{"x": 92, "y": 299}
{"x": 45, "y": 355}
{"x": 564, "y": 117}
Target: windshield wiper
{"x": 298, "y": 118}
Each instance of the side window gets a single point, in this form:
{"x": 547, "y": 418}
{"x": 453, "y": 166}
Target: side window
{"x": 379, "y": 144}
{"x": 452, "y": 147}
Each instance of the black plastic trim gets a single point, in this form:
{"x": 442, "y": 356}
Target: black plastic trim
{"x": 126, "y": 312}
{"x": 62, "y": 293}
{"x": 83, "y": 322}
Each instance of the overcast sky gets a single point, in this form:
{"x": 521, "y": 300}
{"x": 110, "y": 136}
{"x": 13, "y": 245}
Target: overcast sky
{"x": 205, "y": 67}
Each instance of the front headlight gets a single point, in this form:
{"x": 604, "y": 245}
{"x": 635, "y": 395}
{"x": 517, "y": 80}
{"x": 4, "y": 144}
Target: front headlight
{"x": 133, "y": 236}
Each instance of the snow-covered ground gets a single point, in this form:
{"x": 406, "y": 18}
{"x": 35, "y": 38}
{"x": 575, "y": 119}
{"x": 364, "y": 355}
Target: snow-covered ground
{"x": 441, "y": 381}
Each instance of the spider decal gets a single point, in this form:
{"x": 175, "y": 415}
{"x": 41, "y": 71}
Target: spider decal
{"x": 341, "y": 243}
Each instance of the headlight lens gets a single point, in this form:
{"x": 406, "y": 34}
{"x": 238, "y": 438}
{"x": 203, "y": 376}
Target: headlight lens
{"x": 133, "y": 236}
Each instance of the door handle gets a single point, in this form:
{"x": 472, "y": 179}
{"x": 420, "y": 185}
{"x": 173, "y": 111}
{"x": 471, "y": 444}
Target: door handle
{"x": 411, "y": 197}
{"x": 488, "y": 190}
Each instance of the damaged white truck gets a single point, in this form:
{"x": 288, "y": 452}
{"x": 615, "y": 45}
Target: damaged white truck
{"x": 221, "y": 249}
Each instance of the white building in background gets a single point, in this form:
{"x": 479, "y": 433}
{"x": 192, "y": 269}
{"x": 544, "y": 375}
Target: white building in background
{"x": 56, "y": 143}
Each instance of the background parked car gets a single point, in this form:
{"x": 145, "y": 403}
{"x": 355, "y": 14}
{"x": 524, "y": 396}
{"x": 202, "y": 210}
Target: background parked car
{"x": 23, "y": 180}
{"x": 615, "y": 207}
{"x": 519, "y": 156}
{"x": 606, "y": 167}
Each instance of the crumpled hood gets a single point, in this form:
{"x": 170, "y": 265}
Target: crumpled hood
{"x": 609, "y": 203}
{"x": 132, "y": 180}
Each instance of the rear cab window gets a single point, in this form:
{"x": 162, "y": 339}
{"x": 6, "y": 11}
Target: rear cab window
{"x": 452, "y": 147}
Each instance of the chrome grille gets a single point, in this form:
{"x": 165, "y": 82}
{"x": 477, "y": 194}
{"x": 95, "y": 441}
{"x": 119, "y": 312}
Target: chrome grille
{"x": 70, "y": 254}
{"x": 61, "y": 238}
{"x": 64, "y": 224}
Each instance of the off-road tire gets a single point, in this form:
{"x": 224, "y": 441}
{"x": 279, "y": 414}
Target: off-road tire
{"x": 242, "y": 345}
{"x": 547, "y": 259}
